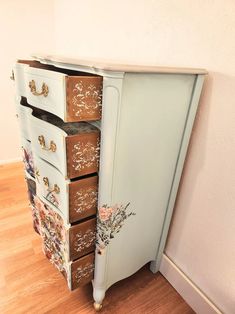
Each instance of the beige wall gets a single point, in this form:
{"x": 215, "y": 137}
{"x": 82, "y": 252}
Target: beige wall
{"x": 180, "y": 33}
{"x": 26, "y": 26}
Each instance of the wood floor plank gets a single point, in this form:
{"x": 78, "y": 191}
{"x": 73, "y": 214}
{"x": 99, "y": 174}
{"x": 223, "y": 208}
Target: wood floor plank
{"x": 30, "y": 284}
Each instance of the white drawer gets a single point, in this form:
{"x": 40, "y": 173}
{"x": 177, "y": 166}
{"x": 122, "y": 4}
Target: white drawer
{"x": 19, "y": 75}
{"x": 24, "y": 114}
{"x": 76, "y": 200}
{"x": 72, "y": 96}
{"x": 73, "y": 148}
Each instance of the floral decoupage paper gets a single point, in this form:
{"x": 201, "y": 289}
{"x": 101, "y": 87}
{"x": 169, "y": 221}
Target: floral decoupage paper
{"x": 109, "y": 222}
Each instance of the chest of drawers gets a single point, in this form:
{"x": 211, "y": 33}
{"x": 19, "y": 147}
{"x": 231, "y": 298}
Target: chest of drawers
{"x": 103, "y": 147}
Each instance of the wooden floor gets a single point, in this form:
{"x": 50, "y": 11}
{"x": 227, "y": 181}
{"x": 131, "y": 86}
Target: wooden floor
{"x": 30, "y": 284}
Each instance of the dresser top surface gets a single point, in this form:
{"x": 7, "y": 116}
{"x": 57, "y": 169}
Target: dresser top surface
{"x": 108, "y": 65}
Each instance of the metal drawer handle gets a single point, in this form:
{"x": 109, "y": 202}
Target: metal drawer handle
{"x": 42, "y": 143}
{"x": 33, "y": 89}
{"x": 55, "y": 189}
{"x": 12, "y": 77}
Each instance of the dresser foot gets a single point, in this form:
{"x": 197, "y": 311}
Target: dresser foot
{"x": 97, "y": 306}
{"x": 98, "y": 295}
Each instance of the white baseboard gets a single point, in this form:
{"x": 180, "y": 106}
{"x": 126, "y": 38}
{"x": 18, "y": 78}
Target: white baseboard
{"x": 186, "y": 288}
{"x": 9, "y": 161}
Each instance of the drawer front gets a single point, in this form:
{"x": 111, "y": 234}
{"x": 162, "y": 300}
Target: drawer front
{"x": 82, "y": 238}
{"x": 51, "y": 186}
{"x": 46, "y": 90}
{"x": 54, "y": 235}
{"x": 48, "y": 142}
{"x": 19, "y": 73}
{"x": 62, "y": 244}
{"x": 72, "y": 98}
{"x": 24, "y": 114}
{"x": 27, "y": 157}
{"x": 75, "y": 200}
{"x": 73, "y": 155}
{"x": 81, "y": 271}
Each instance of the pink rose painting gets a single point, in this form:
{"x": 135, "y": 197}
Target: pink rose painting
{"x": 109, "y": 222}
{"x": 105, "y": 213}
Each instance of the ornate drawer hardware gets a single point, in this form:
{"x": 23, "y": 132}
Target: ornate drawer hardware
{"x": 42, "y": 143}
{"x": 33, "y": 89}
{"x": 12, "y": 77}
{"x": 55, "y": 189}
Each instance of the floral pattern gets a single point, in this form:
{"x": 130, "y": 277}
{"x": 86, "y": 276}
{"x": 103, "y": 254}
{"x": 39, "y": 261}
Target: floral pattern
{"x": 36, "y": 222}
{"x": 28, "y": 161}
{"x": 84, "y": 240}
{"x": 52, "y": 197}
{"x": 86, "y": 99}
{"x": 109, "y": 222}
{"x": 50, "y": 226}
{"x": 53, "y": 234}
{"x": 82, "y": 273}
{"x": 85, "y": 199}
{"x": 85, "y": 155}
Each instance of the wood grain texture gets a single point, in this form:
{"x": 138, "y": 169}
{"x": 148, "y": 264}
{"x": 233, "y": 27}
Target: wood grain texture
{"x": 30, "y": 284}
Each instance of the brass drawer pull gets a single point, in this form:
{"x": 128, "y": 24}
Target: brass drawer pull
{"x": 42, "y": 143}
{"x": 12, "y": 77}
{"x": 33, "y": 89}
{"x": 55, "y": 189}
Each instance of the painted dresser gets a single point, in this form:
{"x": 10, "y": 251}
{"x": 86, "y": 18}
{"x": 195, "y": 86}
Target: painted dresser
{"x": 103, "y": 147}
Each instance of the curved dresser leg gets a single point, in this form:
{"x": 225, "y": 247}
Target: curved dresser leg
{"x": 98, "y": 295}
{"x": 154, "y": 266}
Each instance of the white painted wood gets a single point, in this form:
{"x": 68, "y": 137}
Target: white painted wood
{"x": 55, "y": 102}
{"x": 193, "y": 105}
{"x": 112, "y": 90}
{"x": 151, "y": 125}
{"x": 19, "y": 73}
{"x": 198, "y": 301}
{"x": 46, "y": 170}
{"x": 50, "y": 132}
{"x": 24, "y": 114}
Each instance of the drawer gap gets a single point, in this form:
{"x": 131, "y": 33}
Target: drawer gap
{"x": 82, "y": 220}
{"x": 90, "y": 175}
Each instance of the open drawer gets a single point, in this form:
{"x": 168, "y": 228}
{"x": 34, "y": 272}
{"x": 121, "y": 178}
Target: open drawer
{"x": 70, "y": 95}
{"x": 76, "y": 200}
{"x": 73, "y": 148}
{"x": 69, "y": 248}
